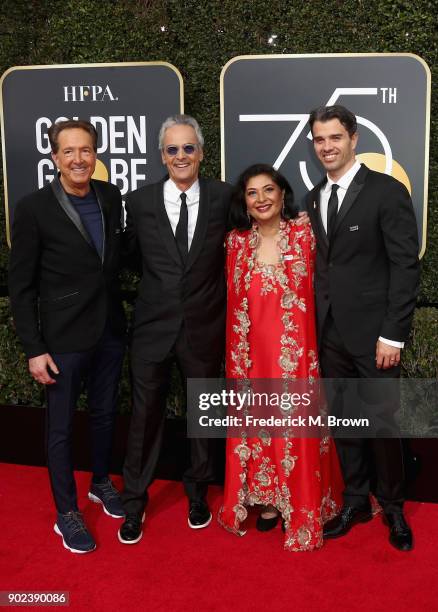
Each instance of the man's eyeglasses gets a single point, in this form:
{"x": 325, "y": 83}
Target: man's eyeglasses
{"x": 188, "y": 149}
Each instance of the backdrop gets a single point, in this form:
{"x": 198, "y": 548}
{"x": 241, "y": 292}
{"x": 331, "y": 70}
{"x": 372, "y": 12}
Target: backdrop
{"x": 199, "y": 37}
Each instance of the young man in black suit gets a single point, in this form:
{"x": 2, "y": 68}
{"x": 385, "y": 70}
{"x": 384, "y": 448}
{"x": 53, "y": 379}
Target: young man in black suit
{"x": 64, "y": 292}
{"x": 177, "y": 226}
{"x": 366, "y": 283}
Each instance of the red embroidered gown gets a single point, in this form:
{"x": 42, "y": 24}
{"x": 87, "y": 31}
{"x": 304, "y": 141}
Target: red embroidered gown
{"x": 271, "y": 334}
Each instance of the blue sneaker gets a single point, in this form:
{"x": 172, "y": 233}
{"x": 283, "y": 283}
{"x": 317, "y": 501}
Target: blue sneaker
{"x": 106, "y": 494}
{"x": 75, "y": 536}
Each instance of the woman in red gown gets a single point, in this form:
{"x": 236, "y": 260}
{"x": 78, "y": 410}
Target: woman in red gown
{"x": 271, "y": 334}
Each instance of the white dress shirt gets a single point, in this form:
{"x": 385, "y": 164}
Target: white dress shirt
{"x": 172, "y": 203}
{"x": 344, "y": 183}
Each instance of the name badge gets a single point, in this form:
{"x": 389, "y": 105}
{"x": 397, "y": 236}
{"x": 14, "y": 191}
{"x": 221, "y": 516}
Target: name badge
{"x": 354, "y": 228}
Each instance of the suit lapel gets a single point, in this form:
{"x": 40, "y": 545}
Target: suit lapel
{"x": 201, "y": 222}
{"x": 103, "y": 205}
{"x": 350, "y": 197}
{"x": 69, "y": 209}
{"x": 164, "y": 226}
{"x": 315, "y": 212}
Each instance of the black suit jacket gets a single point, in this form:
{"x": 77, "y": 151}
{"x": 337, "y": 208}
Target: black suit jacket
{"x": 369, "y": 273}
{"x": 62, "y": 291}
{"x": 170, "y": 293}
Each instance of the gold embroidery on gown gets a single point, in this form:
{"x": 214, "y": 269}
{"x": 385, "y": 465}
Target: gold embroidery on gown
{"x": 271, "y": 334}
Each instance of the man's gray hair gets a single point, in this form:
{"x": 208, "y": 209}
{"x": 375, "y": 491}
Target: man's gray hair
{"x": 180, "y": 120}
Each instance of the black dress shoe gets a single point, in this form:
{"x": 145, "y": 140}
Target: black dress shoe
{"x": 343, "y": 522}
{"x": 400, "y": 534}
{"x": 266, "y": 524}
{"x": 131, "y": 531}
{"x": 199, "y": 514}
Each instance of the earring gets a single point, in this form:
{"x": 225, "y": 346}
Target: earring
{"x": 249, "y": 216}
{"x": 283, "y": 210}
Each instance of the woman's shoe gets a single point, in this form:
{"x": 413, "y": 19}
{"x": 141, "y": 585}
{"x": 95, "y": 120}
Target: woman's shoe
{"x": 266, "y": 524}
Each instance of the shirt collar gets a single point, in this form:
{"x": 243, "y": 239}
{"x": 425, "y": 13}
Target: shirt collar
{"x": 345, "y": 180}
{"x": 174, "y": 193}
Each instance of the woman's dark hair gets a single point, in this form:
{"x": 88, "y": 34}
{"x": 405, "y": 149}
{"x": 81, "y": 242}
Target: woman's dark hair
{"x": 238, "y": 216}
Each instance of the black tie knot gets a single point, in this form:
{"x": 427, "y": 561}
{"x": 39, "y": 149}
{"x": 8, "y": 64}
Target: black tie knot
{"x": 183, "y": 197}
{"x": 334, "y": 188}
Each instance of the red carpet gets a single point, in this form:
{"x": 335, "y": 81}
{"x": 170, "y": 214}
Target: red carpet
{"x": 176, "y": 569}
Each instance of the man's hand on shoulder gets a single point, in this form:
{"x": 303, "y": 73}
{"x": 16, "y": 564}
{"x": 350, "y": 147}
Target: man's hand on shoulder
{"x": 38, "y": 368}
{"x": 386, "y": 356}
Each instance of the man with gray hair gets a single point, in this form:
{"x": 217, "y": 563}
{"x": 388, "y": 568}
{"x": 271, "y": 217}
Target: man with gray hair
{"x": 177, "y": 227}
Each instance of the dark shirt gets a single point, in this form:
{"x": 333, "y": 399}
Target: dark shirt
{"x": 89, "y": 211}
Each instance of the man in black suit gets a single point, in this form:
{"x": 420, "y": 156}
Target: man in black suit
{"x": 366, "y": 284}
{"x": 178, "y": 227}
{"x": 64, "y": 292}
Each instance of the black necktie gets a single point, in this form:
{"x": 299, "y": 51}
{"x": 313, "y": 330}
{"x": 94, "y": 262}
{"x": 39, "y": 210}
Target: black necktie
{"x": 181, "y": 236}
{"x": 332, "y": 210}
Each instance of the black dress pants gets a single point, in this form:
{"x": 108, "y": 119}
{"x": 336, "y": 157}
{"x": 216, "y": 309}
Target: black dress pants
{"x": 150, "y": 386}
{"x": 96, "y": 370}
{"x": 368, "y": 465}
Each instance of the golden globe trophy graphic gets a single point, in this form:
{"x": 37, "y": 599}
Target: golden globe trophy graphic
{"x": 377, "y": 162}
{"x": 100, "y": 172}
